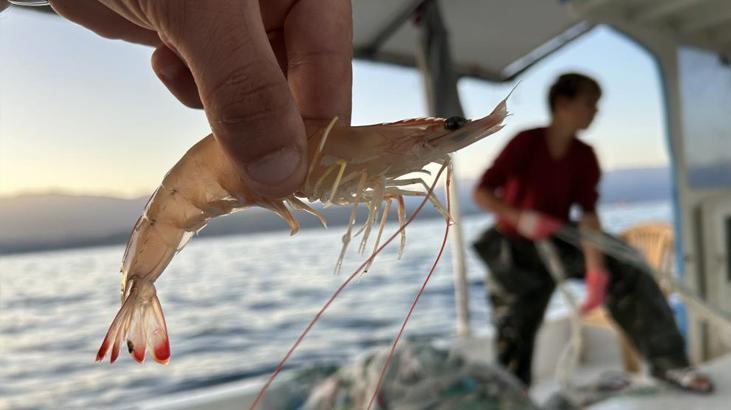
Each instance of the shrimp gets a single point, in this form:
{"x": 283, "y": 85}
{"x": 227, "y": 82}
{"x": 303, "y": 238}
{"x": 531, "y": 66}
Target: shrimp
{"x": 347, "y": 166}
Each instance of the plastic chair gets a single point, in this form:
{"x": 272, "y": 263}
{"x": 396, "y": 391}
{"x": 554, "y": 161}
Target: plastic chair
{"x": 655, "y": 243}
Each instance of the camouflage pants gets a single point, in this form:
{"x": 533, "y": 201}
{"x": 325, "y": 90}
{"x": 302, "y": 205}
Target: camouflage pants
{"x": 519, "y": 288}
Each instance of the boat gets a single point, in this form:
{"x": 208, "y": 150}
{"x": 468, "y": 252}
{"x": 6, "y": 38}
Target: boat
{"x": 498, "y": 41}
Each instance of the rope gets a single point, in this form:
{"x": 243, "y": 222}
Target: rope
{"x": 569, "y": 358}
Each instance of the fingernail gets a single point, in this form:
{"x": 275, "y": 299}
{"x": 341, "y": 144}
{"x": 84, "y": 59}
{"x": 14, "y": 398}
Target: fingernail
{"x": 274, "y": 167}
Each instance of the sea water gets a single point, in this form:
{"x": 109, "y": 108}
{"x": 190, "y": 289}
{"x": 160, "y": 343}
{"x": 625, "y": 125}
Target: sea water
{"x": 234, "y": 305}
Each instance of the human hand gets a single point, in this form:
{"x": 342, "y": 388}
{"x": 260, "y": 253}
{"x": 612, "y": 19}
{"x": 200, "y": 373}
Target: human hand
{"x": 596, "y": 290}
{"x": 258, "y": 68}
{"x": 536, "y": 226}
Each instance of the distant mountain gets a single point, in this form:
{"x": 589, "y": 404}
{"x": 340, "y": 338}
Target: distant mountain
{"x": 55, "y": 221}
{"x": 636, "y": 185}
{"x": 44, "y": 222}
{"x": 51, "y": 221}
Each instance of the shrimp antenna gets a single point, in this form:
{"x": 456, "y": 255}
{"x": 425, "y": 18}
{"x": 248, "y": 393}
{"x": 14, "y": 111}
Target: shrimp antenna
{"x": 345, "y": 283}
{"x": 387, "y": 364}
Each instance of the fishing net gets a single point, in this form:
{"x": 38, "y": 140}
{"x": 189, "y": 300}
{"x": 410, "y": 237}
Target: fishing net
{"x": 420, "y": 376}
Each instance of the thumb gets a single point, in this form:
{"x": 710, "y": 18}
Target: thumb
{"x": 244, "y": 93}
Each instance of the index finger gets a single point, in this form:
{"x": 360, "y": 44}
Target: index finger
{"x": 318, "y": 35}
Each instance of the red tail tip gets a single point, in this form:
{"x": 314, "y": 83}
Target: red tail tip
{"x": 161, "y": 353}
{"x": 137, "y": 351}
{"x": 102, "y": 351}
{"x": 115, "y": 353}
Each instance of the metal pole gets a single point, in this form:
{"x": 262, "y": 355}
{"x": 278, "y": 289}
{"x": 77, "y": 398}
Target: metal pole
{"x": 440, "y": 83}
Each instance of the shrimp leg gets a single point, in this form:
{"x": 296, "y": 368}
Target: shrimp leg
{"x": 384, "y": 218}
{"x": 401, "y": 212}
{"x": 351, "y": 222}
{"x": 374, "y": 205}
{"x": 432, "y": 198}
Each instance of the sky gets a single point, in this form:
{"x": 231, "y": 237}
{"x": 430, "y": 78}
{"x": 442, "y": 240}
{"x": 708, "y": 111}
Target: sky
{"x": 85, "y": 115}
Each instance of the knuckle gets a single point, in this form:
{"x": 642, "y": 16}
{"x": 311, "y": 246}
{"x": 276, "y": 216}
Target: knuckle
{"x": 160, "y": 15}
{"x": 241, "y": 97}
{"x": 142, "y": 12}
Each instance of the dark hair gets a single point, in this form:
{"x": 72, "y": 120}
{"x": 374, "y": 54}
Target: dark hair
{"x": 570, "y": 85}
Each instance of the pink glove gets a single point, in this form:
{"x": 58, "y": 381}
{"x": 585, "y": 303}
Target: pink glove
{"x": 536, "y": 226}
{"x": 596, "y": 290}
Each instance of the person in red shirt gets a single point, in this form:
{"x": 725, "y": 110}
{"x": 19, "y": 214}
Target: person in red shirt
{"x": 531, "y": 188}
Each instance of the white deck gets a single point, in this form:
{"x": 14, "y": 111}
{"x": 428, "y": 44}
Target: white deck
{"x": 672, "y": 399}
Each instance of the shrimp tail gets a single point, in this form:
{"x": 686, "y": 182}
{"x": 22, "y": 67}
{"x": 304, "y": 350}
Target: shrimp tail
{"x": 141, "y": 323}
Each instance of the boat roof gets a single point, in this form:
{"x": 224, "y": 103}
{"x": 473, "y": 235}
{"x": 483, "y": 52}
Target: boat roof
{"x": 497, "y": 40}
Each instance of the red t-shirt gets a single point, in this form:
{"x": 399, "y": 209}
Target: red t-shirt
{"x": 526, "y": 176}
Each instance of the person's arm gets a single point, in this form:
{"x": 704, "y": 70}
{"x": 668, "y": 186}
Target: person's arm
{"x": 497, "y": 176}
{"x": 594, "y": 258}
{"x": 597, "y": 276}
{"x": 487, "y": 201}
{"x": 530, "y": 224}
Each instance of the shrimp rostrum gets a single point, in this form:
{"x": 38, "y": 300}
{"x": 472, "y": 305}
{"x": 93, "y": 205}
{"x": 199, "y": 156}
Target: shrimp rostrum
{"x": 371, "y": 165}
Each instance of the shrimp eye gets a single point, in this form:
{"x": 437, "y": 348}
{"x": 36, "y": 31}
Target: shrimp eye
{"x": 454, "y": 123}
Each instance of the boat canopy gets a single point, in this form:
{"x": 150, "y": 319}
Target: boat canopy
{"x": 491, "y": 39}
{"x": 497, "y": 40}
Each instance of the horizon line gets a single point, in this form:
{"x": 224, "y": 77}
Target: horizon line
{"x": 55, "y": 191}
